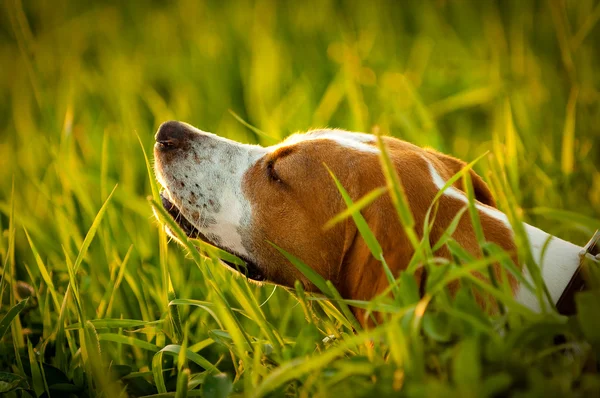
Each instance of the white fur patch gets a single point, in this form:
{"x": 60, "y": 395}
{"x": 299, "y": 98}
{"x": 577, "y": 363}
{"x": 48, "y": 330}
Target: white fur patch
{"x": 231, "y": 218}
{"x": 457, "y": 194}
{"x": 358, "y": 141}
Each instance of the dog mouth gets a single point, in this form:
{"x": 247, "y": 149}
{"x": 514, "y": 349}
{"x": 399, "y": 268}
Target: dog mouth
{"x": 252, "y": 271}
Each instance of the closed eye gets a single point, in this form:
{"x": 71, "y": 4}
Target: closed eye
{"x": 271, "y": 171}
{"x": 274, "y": 157}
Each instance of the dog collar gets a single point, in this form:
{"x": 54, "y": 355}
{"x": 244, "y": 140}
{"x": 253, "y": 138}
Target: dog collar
{"x": 590, "y": 254}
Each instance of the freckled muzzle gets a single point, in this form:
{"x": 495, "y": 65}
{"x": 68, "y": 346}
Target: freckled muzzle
{"x": 252, "y": 271}
{"x": 183, "y": 223}
{"x": 198, "y": 189}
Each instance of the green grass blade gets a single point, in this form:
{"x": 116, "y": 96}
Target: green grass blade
{"x": 298, "y": 367}
{"x": 150, "y": 173}
{"x": 248, "y": 302}
{"x": 366, "y": 233}
{"x": 10, "y": 315}
{"x": 183, "y": 378}
{"x": 513, "y": 213}
{"x": 473, "y": 211}
{"x": 492, "y": 249}
{"x": 210, "y": 250}
{"x": 207, "y": 306}
{"x": 450, "y": 230}
{"x": 359, "y": 220}
{"x": 174, "y": 349}
{"x": 92, "y": 232}
{"x": 95, "y": 364}
{"x": 259, "y": 132}
{"x": 157, "y": 371}
{"x": 15, "y": 327}
{"x": 232, "y": 324}
{"x": 36, "y": 371}
{"x": 344, "y": 307}
{"x": 457, "y": 176}
{"x": 73, "y": 287}
{"x": 307, "y": 271}
{"x": 116, "y": 323}
{"x": 568, "y": 137}
{"x": 128, "y": 340}
{"x": 174, "y": 315}
{"x": 43, "y": 272}
{"x": 466, "y": 271}
{"x": 357, "y": 206}
{"x": 116, "y": 285}
{"x": 396, "y": 188}
{"x": 201, "y": 345}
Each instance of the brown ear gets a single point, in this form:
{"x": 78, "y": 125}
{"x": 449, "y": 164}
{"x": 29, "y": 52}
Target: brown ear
{"x": 453, "y": 166}
{"x": 362, "y": 276}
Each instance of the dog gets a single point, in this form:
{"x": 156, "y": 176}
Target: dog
{"x": 241, "y": 197}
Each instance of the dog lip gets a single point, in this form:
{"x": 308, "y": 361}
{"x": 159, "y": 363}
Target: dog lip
{"x": 252, "y": 271}
{"x": 184, "y": 224}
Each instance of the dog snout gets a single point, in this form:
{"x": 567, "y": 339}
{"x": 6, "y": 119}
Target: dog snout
{"x": 172, "y": 135}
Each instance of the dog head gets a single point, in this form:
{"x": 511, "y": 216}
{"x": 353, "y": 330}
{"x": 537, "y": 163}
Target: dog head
{"x": 242, "y": 197}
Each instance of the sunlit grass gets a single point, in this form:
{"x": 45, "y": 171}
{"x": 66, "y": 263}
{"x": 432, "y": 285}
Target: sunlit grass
{"x": 115, "y": 308}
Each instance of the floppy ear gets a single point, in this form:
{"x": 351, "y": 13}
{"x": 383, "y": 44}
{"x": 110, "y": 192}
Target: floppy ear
{"x": 480, "y": 188}
{"x": 362, "y": 274}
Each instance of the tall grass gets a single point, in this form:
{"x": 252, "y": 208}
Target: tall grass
{"x": 97, "y": 301}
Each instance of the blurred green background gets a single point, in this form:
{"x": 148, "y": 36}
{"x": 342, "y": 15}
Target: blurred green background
{"x": 80, "y": 81}
{"x": 449, "y": 74}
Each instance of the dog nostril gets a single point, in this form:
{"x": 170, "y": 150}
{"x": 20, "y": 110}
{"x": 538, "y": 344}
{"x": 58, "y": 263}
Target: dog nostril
{"x": 170, "y": 135}
{"x": 166, "y": 145}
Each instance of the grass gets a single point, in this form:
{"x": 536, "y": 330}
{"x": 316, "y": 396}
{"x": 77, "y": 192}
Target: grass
{"x": 97, "y": 302}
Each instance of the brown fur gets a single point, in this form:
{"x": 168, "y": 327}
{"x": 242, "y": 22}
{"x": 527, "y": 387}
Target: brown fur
{"x": 291, "y": 212}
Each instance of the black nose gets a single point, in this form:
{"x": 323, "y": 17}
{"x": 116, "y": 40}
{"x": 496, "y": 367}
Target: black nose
{"x": 171, "y": 135}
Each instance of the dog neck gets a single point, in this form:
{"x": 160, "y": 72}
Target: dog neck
{"x": 559, "y": 262}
